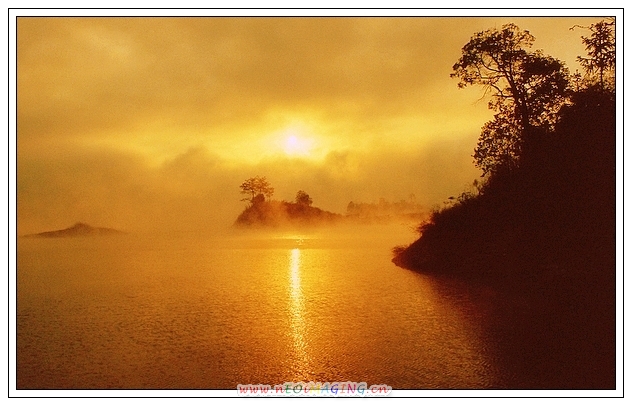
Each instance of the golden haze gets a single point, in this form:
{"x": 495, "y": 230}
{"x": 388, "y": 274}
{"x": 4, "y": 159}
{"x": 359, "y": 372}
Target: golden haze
{"x": 152, "y": 123}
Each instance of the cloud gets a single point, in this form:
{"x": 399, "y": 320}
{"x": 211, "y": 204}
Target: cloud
{"x": 154, "y": 122}
{"x": 83, "y": 76}
{"x": 197, "y": 191}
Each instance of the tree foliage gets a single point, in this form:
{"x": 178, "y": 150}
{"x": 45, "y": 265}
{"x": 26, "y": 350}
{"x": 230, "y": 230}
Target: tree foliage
{"x": 600, "y": 47}
{"x": 527, "y": 89}
{"x": 499, "y": 144}
{"x": 253, "y": 187}
{"x": 303, "y": 198}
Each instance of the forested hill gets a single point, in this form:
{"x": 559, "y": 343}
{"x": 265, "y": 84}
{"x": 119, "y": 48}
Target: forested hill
{"x": 544, "y": 237}
{"x": 553, "y": 214}
{"x": 541, "y": 229}
{"x": 547, "y": 202}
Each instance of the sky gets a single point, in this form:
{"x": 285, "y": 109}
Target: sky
{"x": 146, "y": 124}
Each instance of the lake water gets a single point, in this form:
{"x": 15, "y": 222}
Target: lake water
{"x": 213, "y": 312}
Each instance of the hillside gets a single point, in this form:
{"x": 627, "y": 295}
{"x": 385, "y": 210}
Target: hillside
{"x": 553, "y": 214}
{"x": 77, "y": 230}
{"x": 543, "y": 235}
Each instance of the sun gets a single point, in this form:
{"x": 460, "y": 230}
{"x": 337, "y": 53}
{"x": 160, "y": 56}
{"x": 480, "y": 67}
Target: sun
{"x": 297, "y": 146}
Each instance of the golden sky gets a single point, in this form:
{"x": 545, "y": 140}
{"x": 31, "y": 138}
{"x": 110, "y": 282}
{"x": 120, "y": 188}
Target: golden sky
{"x": 147, "y": 123}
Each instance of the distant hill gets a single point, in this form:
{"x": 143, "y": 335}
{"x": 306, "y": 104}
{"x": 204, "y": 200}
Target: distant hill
{"x": 77, "y": 230}
{"x": 278, "y": 213}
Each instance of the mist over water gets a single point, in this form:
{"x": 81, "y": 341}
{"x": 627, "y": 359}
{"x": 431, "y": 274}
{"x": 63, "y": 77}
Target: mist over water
{"x": 208, "y": 312}
{"x": 214, "y": 176}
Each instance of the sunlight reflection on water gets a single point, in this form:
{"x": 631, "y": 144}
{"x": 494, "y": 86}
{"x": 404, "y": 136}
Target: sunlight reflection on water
{"x": 301, "y": 362}
{"x": 214, "y": 313}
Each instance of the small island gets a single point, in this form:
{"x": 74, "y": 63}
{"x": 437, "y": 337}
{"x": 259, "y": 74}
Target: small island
{"x": 77, "y": 230}
{"x": 264, "y": 212}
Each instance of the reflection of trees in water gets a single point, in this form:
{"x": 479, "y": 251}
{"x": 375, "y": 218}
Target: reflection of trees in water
{"x": 554, "y": 337}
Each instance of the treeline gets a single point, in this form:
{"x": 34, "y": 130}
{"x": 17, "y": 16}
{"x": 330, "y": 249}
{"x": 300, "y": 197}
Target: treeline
{"x": 547, "y": 201}
{"x": 554, "y": 214}
{"x": 384, "y": 210}
{"x": 261, "y": 210}
{"x": 540, "y": 230}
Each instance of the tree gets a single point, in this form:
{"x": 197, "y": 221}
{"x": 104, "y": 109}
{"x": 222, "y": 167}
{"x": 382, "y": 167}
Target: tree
{"x": 303, "y": 198}
{"x": 527, "y": 90}
{"x": 499, "y": 145}
{"x": 254, "y": 187}
{"x": 600, "y": 47}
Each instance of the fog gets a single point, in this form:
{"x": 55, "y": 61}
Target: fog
{"x": 197, "y": 191}
{"x": 152, "y": 124}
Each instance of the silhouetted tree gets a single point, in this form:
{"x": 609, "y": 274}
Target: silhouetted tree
{"x": 303, "y": 198}
{"x": 254, "y": 187}
{"x": 351, "y": 207}
{"x": 600, "y": 47}
{"x": 577, "y": 81}
{"x": 527, "y": 90}
{"x": 260, "y": 198}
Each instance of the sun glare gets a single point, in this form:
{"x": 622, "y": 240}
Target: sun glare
{"x": 297, "y": 146}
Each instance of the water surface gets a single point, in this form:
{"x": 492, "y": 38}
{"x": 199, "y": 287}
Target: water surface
{"x": 207, "y": 312}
